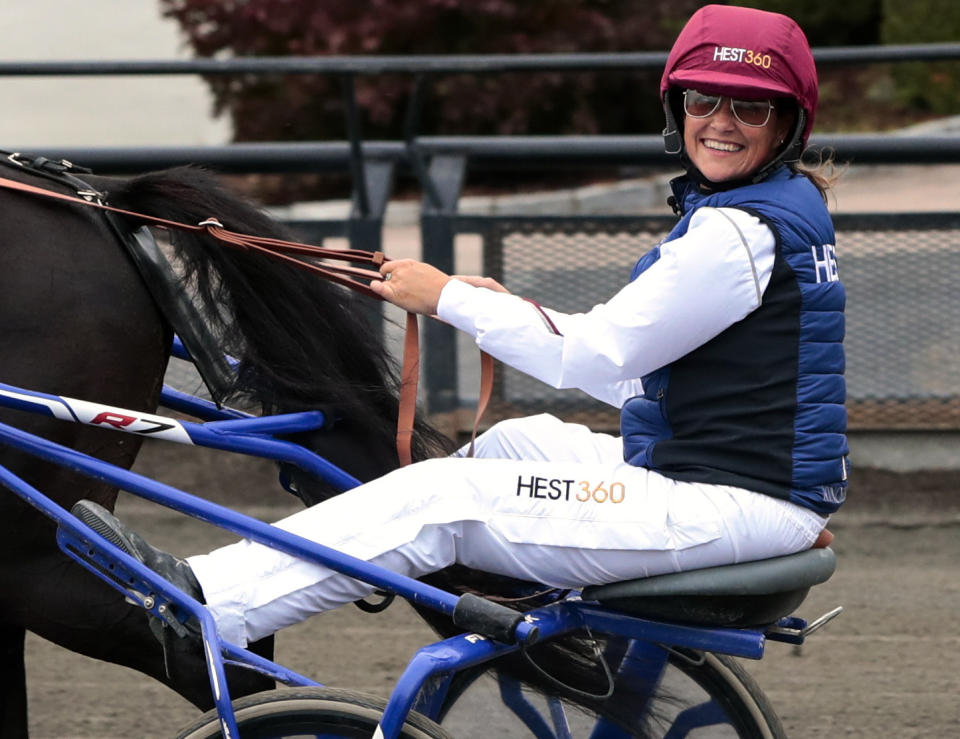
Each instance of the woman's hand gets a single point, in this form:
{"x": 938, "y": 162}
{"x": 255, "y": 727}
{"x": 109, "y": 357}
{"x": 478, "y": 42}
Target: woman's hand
{"x": 488, "y": 282}
{"x": 412, "y": 285}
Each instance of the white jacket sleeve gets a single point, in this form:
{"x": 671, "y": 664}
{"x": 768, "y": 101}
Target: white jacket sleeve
{"x": 703, "y": 282}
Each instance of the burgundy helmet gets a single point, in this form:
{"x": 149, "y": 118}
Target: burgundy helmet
{"x": 746, "y": 53}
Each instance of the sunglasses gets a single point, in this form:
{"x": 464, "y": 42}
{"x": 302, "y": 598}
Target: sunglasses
{"x": 753, "y": 113}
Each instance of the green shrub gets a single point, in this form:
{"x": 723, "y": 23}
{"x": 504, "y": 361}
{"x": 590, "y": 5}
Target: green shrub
{"x": 306, "y": 107}
{"x": 932, "y": 87}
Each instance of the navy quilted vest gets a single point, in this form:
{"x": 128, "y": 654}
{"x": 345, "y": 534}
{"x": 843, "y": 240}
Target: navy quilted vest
{"x": 761, "y": 406}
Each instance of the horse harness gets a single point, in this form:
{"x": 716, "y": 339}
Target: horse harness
{"x": 212, "y": 368}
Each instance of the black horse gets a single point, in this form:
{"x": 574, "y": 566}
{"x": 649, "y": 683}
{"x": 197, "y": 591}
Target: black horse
{"x": 78, "y": 320}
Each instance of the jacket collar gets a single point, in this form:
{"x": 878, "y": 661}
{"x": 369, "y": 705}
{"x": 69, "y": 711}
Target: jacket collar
{"x": 688, "y": 194}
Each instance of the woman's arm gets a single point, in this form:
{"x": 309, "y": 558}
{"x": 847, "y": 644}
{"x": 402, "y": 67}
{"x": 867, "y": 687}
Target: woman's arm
{"x": 703, "y": 282}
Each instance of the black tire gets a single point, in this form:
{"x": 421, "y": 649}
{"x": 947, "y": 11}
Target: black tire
{"x": 296, "y": 712}
{"x": 749, "y": 710}
{"x": 691, "y": 679}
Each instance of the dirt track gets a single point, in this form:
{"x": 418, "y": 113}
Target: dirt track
{"x": 886, "y": 667}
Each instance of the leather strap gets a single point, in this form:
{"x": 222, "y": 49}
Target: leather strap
{"x": 409, "y": 378}
{"x": 341, "y": 274}
{"x": 486, "y": 391}
{"x": 275, "y": 248}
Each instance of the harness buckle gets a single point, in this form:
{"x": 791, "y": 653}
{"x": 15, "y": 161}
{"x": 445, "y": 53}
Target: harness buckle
{"x": 91, "y": 195}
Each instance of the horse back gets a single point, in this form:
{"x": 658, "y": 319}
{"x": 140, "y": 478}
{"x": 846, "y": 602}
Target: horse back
{"x": 75, "y": 320}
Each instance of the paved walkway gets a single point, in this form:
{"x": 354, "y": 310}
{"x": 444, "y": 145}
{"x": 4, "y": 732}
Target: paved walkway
{"x": 899, "y": 188}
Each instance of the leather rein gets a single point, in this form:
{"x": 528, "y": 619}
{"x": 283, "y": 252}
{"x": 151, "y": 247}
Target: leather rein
{"x": 347, "y": 276}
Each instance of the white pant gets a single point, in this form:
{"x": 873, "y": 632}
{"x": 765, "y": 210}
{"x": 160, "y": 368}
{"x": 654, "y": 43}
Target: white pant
{"x": 543, "y": 501}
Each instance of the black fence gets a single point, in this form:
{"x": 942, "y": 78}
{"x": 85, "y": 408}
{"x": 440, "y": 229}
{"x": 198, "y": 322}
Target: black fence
{"x": 903, "y": 346}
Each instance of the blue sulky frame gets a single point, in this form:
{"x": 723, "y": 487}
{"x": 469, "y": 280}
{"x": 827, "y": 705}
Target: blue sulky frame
{"x": 423, "y": 685}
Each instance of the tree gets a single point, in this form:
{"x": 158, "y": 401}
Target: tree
{"x": 306, "y": 107}
{"x": 928, "y": 87}
{"x": 848, "y": 23}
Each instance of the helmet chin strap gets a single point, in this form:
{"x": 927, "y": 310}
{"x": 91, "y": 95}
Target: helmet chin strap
{"x": 672, "y": 136}
{"x": 673, "y": 144}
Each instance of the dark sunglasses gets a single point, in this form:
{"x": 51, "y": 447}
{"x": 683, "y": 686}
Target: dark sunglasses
{"x": 753, "y": 113}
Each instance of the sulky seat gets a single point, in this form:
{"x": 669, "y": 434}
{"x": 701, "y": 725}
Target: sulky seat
{"x": 745, "y": 594}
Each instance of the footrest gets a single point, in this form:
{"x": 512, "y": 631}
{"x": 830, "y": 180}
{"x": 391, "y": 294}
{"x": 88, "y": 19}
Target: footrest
{"x": 746, "y": 594}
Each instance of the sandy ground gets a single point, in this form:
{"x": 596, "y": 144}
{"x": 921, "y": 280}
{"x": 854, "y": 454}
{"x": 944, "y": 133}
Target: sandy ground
{"x": 886, "y": 667}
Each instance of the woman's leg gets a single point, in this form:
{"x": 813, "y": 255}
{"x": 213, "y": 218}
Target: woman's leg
{"x": 566, "y": 524}
{"x": 544, "y": 437}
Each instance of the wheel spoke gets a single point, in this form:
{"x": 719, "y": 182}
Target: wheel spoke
{"x": 696, "y": 717}
{"x": 712, "y": 694}
{"x": 513, "y": 698}
{"x": 559, "y": 716}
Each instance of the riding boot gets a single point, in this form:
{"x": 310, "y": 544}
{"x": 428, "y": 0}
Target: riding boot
{"x": 178, "y": 640}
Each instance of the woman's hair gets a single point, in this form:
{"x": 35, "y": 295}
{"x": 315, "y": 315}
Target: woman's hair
{"x": 823, "y": 173}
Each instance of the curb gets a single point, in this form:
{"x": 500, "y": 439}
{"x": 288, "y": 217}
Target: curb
{"x": 626, "y": 197}
{"x": 892, "y": 520}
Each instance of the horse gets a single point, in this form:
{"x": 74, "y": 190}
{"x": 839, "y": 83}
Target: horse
{"x": 78, "y": 320}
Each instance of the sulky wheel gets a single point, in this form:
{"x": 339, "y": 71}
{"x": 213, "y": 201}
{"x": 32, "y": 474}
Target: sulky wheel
{"x": 309, "y": 712}
{"x": 697, "y": 695}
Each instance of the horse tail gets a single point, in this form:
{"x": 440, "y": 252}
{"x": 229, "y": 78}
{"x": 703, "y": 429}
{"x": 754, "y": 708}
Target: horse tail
{"x": 302, "y": 342}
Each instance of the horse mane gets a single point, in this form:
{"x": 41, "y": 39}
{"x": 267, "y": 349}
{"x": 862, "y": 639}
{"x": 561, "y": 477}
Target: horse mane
{"x": 302, "y": 342}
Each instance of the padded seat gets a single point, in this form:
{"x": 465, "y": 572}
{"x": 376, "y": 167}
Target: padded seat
{"x": 745, "y": 594}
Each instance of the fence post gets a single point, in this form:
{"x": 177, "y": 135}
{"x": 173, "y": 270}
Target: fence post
{"x": 438, "y": 230}
{"x": 365, "y": 224}
{"x": 365, "y": 227}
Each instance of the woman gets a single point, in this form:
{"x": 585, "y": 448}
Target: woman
{"x": 724, "y": 352}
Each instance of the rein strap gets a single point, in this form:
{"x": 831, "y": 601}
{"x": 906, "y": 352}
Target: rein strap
{"x": 347, "y": 276}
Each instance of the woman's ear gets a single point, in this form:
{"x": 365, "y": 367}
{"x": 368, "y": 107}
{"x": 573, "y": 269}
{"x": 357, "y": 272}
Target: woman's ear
{"x": 786, "y": 120}
{"x": 784, "y": 128}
